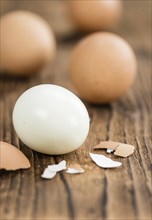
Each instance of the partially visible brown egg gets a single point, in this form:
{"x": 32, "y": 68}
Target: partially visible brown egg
{"x": 27, "y": 43}
{"x": 102, "y": 67}
{"x": 12, "y": 158}
{"x": 95, "y": 15}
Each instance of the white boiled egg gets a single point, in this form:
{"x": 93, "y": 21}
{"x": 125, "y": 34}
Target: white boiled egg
{"x": 50, "y": 119}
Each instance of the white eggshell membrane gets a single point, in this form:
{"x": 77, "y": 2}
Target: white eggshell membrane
{"x": 47, "y": 174}
{"x": 50, "y": 119}
{"x": 57, "y": 167}
{"x": 104, "y": 162}
{"x": 51, "y": 170}
{"x": 109, "y": 151}
{"x": 75, "y": 169}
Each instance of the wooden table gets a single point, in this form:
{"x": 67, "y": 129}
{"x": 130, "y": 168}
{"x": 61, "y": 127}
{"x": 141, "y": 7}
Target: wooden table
{"x": 112, "y": 194}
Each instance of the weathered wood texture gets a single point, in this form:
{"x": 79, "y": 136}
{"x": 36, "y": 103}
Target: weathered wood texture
{"x": 112, "y": 194}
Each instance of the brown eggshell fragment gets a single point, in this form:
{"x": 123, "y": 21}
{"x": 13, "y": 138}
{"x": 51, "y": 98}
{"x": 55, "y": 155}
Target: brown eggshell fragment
{"x": 11, "y": 158}
{"x": 107, "y": 145}
{"x": 124, "y": 150}
{"x": 102, "y": 67}
{"x": 94, "y": 15}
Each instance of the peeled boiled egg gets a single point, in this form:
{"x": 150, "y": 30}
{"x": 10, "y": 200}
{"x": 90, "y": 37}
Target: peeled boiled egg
{"x": 95, "y": 15}
{"x": 102, "y": 67}
{"x": 27, "y": 43}
{"x": 50, "y": 119}
{"x": 11, "y": 158}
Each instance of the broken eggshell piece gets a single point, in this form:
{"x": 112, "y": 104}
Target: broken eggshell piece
{"x": 48, "y": 174}
{"x": 57, "y": 167}
{"x": 107, "y": 145}
{"x": 52, "y": 170}
{"x": 109, "y": 151}
{"x": 104, "y": 162}
{"x": 11, "y": 158}
{"x": 74, "y": 169}
{"x": 124, "y": 150}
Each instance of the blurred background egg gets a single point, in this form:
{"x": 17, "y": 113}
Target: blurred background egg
{"x": 27, "y": 43}
{"x": 102, "y": 67}
{"x": 95, "y": 15}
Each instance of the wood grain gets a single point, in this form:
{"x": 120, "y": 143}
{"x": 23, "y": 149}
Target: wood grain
{"x": 114, "y": 194}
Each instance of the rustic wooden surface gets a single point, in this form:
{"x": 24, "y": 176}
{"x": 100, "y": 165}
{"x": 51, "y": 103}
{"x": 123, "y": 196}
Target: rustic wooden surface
{"x": 113, "y": 194}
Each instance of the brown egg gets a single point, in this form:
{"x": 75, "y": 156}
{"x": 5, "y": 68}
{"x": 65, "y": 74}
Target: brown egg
{"x": 27, "y": 43}
{"x": 95, "y": 15}
{"x": 11, "y": 158}
{"x": 102, "y": 67}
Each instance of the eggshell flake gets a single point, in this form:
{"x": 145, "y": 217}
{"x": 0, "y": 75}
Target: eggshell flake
{"x": 107, "y": 145}
{"x": 74, "y": 169}
{"x": 124, "y": 150}
{"x": 104, "y": 162}
{"x": 48, "y": 174}
{"x": 121, "y": 149}
{"x": 109, "y": 151}
{"x": 57, "y": 167}
{"x": 11, "y": 158}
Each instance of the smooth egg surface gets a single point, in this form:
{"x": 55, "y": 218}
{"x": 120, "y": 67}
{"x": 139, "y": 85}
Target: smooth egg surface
{"x": 95, "y": 15}
{"x": 50, "y": 119}
{"x": 27, "y": 43}
{"x": 102, "y": 67}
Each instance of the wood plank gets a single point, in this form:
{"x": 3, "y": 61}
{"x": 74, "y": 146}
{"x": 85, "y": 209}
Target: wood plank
{"x": 123, "y": 193}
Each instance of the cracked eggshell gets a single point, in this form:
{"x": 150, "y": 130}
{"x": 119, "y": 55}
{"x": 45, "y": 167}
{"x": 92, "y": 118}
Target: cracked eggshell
{"x": 27, "y": 43}
{"x": 124, "y": 150}
{"x": 119, "y": 149}
{"x": 104, "y": 162}
{"x": 57, "y": 167}
{"x": 102, "y": 67}
{"x": 11, "y": 158}
{"x": 48, "y": 174}
{"x": 107, "y": 145}
{"x": 74, "y": 169}
{"x": 109, "y": 151}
